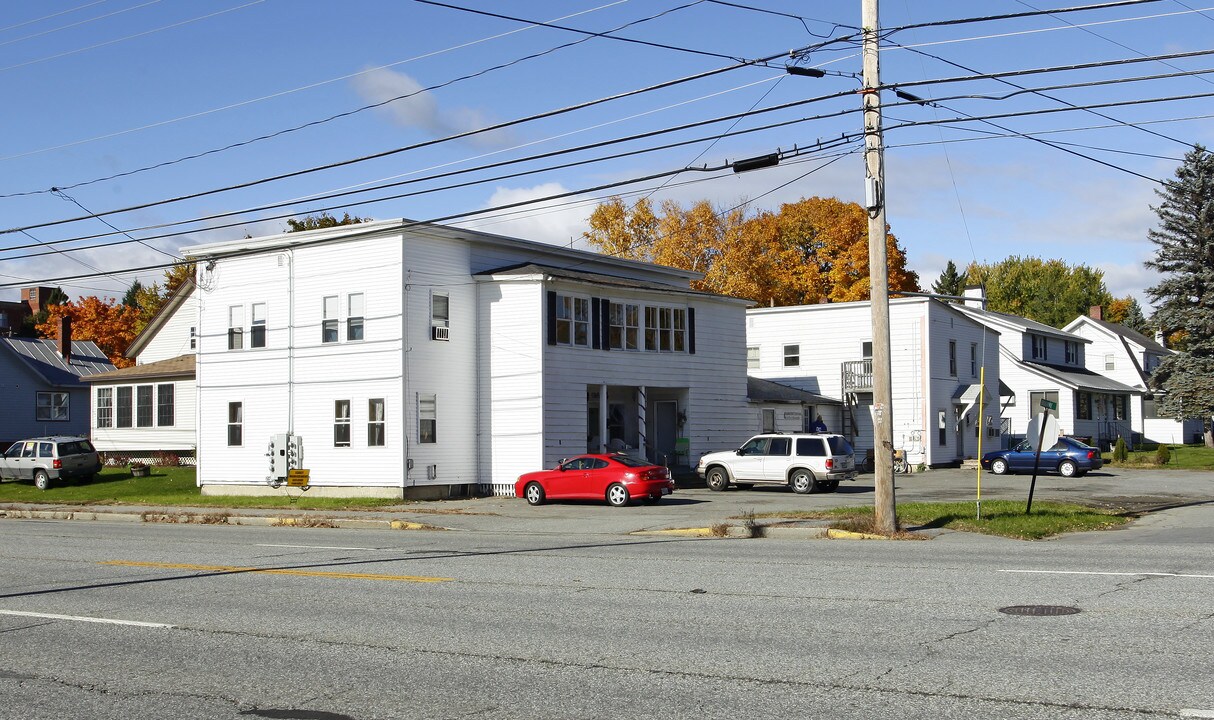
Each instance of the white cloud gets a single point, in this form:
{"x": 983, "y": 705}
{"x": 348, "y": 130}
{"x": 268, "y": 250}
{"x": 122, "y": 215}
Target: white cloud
{"x": 421, "y": 108}
{"x": 556, "y": 222}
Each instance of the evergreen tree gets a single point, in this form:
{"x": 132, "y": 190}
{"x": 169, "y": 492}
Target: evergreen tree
{"x": 1126, "y": 311}
{"x": 1184, "y": 298}
{"x": 131, "y": 299}
{"x": 950, "y": 281}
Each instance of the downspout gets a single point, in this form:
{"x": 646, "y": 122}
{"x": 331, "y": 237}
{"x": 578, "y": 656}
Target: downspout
{"x": 405, "y": 403}
{"x": 290, "y": 341}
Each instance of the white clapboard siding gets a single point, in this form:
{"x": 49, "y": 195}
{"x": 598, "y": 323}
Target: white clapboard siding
{"x": 172, "y": 339}
{"x": 922, "y": 382}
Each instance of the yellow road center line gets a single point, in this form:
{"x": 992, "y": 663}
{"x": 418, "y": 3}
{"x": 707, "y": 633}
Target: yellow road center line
{"x": 273, "y": 571}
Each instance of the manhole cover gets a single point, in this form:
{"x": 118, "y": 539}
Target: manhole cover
{"x": 1039, "y": 610}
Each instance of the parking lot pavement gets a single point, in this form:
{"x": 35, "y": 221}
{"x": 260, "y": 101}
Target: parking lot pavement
{"x": 689, "y": 507}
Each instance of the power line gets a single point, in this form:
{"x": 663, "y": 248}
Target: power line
{"x": 131, "y": 37}
{"x": 1012, "y": 16}
{"x": 62, "y": 195}
{"x": 1121, "y": 45}
{"x": 75, "y": 24}
{"x": 406, "y": 148}
{"x": 336, "y": 116}
{"x": 504, "y": 163}
{"x": 421, "y": 225}
{"x": 589, "y": 33}
{"x": 52, "y": 15}
{"x": 1050, "y": 97}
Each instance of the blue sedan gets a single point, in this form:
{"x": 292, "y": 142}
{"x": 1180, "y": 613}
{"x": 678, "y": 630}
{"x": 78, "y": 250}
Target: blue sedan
{"x": 1067, "y": 457}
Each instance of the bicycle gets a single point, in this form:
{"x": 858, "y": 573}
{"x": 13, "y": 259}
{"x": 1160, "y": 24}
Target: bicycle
{"x": 901, "y": 465}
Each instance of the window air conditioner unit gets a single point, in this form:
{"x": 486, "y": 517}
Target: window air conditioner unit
{"x": 440, "y": 333}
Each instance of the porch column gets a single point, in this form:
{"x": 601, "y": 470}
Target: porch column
{"x": 642, "y": 445}
{"x": 602, "y": 419}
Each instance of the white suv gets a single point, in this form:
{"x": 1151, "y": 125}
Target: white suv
{"x": 806, "y": 462}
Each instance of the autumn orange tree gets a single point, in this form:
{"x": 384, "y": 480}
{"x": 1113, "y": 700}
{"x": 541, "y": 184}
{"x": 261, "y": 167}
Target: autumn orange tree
{"x": 107, "y": 322}
{"x": 814, "y": 250}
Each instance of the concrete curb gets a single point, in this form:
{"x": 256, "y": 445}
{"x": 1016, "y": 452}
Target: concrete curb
{"x": 220, "y": 517}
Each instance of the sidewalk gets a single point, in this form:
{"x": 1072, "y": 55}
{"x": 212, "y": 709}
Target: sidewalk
{"x": 691, "y": 511}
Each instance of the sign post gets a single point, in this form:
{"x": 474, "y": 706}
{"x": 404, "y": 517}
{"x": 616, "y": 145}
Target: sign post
{"x": 1047, "y": 421}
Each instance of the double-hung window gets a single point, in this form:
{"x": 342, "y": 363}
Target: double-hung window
{"x": 257, "y": 331}
{"x": 440, "y": 316}
{"x": 236, "y": 327}
{"x": 792, "y": 356}
{"x": 1072, "y": 352}
{"x": 1110, "y": 362}
{"x": 752, "y": 357}
{"x": 143, "y": 406}
{"x": 651, "y": 328}
{"x": 376, "y": 432}
{"x": 354, "y": 316}
{"x": 572, "y": 321}
{"x": 625, "y": 324}
{"x": 679, "y": 330}
{"x": 341, "y": 423}
{"x": 164, "y": 405}
{"x": 328, "y": 323}
{"x": 952, "y": 358}
{"x": 235, "y": 424}
{"x": 973, "y": 359}
{"x": 1038, "y": 347}
{"x": 52, "y": 407}
{"x": 427, "y": 418}
{"x": 105, "y": 407}
{"x": 123, "y": 408}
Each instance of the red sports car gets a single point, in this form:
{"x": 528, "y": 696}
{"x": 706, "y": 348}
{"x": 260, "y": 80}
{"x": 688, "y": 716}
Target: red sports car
{"x": 618, "y": 479}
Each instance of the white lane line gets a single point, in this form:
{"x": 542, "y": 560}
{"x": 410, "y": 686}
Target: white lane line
{"x": 315, "y": 547}
{"x": 1120, "y": 574}
{"x": 82, "y": 618}
{"x": 1197, "y": 713}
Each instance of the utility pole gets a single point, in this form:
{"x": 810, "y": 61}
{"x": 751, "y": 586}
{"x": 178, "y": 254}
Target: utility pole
{"x": 878, "y": 275}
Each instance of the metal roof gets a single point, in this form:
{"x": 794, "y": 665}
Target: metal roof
{"x": 42, "y": 356}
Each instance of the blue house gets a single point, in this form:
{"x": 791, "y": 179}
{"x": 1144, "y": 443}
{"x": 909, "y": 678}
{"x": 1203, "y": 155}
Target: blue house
{"x": 40, "y": 388}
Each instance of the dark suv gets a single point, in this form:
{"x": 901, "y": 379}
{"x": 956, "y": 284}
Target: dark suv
{"x": 47, "y": 459}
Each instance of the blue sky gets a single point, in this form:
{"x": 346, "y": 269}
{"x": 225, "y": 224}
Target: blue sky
{"x": 103, "y": 88}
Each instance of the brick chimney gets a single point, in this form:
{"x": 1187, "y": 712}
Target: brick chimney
{"x": 65, "y": 338}
{"x": 1097, "y": 312}
{"x": 36, "y": 297}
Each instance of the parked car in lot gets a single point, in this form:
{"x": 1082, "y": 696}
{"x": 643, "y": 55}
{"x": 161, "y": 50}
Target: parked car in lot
{"x": 618, "y": 479}
{"x": 805, "y": 462}
{"x": 50, "y": 459}
{"x": 1067, "y": 457}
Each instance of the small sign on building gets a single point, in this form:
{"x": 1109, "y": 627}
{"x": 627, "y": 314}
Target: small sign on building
{"x": 297, "y": 477}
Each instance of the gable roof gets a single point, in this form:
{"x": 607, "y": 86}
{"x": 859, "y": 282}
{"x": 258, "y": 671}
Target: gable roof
{"x": 1123, "y": 332}
{"x": 42, "y": 356}
{"x": 182, "y": 366}
{"x": 1015, "y": 322}
{"x": 1075, "y": 378}
{"x": 161, "y": 317}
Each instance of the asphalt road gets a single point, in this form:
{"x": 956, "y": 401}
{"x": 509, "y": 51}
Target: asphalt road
{"x": 325, "y": 624}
